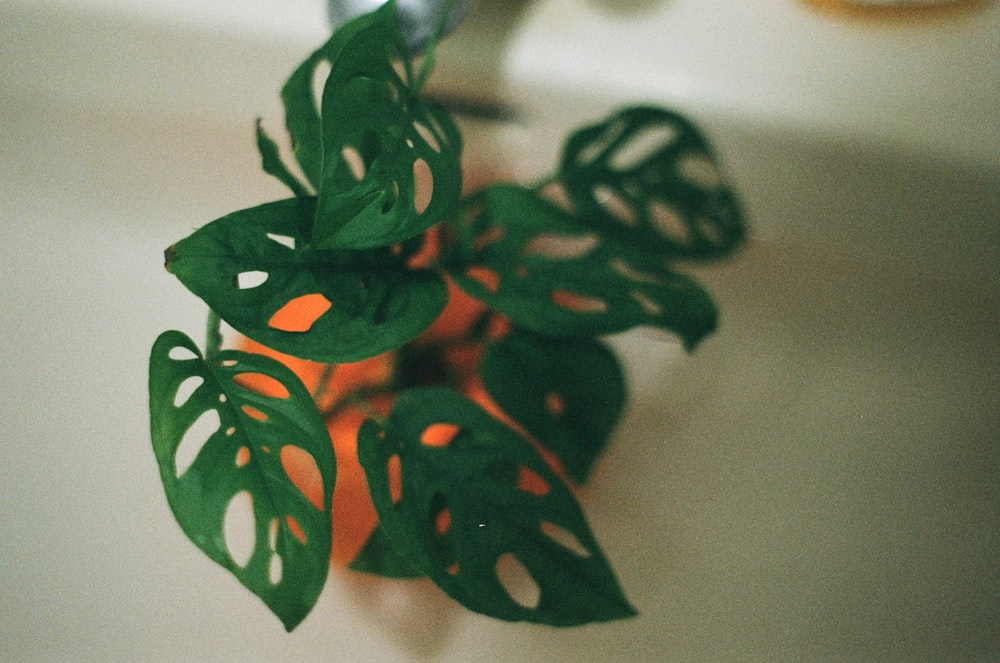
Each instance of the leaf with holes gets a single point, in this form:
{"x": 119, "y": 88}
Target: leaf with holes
{"x": 228, "y": 453}
{"x": 391, "y": 164}
{"x": 567, "y": 393}
{"x": 647, "y": 178}
{"x": 529, "y": 259}
{"x": 466, "y": 501}
{"x": 257, "y": 270}
{"x": 302, "y": 112}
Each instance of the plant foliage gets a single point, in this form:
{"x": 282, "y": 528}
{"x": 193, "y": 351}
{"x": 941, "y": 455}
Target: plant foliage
{"x": 357, "y": 263}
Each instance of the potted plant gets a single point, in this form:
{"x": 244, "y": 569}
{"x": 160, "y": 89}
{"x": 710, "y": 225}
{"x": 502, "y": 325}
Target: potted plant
{"x": 420, "y": 362}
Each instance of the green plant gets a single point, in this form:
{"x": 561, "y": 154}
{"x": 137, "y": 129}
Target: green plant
{"x": 367, "y": 243}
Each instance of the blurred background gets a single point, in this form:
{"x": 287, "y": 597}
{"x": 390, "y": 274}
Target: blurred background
{"x": 819, "y": 481}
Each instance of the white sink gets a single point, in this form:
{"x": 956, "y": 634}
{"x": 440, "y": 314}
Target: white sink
{"x": 819, "y": 481}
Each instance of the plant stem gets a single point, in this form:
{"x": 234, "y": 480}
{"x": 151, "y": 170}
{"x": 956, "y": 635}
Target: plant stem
{"x": 213, "y": 334}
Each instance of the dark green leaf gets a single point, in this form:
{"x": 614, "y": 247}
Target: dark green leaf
{"x": 567, "y": 393}
{"x": 477, "y": 500}
{"x": 647, "y": 178}
{"x": 255, "y": 267}
{"x": 221, "y": 445}
{"x": 391, "y": 161}
{"x": 379, "y": 558}
{"x": 550, "y": 273}
{"x": 274, "y": 166}
{"x": 302, "y": 113}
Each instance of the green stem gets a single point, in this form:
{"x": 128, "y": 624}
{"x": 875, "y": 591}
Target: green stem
{"x": 213, "y": 334}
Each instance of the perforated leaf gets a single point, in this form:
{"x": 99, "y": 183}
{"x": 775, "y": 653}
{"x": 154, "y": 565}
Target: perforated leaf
{"x": 256, "y": 268}
{"x": 389, "y": 161}
{"x": 225, "y": 451}
{"x": 551, "y": 273}
{"x": 476, "y": 501}
{"x": 647, "y": 178}
{"x": 567, "y": 393}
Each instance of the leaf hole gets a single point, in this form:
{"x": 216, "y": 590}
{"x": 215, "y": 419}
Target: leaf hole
{"x": 299, "y": 314}
{"x": 242, "y": 455}
{"x": 303, "y": 471}
{"x": 578, "y": 303}
{"x": 439, "y": 435}
{"x": 555, "y": 404}
{"x": 427, "y": 134}
{"x": 187, "y": 388}
{"x": 272, "y": 534}
{"x": 648, "y": 305}
{"x": 194, "y": 440}
{"x": 394, "y": 472}
{"x": 487, "y": 237}
{"x": 564, "y": 538}
{"x": 262, "y": 383}
{"x": 560, "y": 247}
{"x": 355, "y": 164}
{"x": 667, "y": 221}
{"x": 699, "y": 170}
{"x": 517, "y": 581}
{"x": 602, "y": 144}
{"x": 295, "y": 529}
{"x": 254, "y": 413}
{"x": 642, "y": 146}
{"x": 231, "y": 431}
{"x": 250, "y": 280}
{"x": 320, "y": 73}
{"x": 442, "y": 521}
{"x": 485, "y": 277}
{"x": 615, "y": 204}
{"x": 633, "y": 274}
{"x": 239, "y": 528}
{"x": 284, "y": 240}
{"x": 556, "y": 194}
{"x": 452, "y": 570}
{"x": 274, "y": 569}
{"x": 423, "y": 185}
{"x": 180, "y": 353}
{"x": 530, "y": 482}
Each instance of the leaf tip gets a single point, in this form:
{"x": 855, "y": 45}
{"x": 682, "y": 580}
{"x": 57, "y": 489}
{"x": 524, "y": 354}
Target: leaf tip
{"x": 169, "y": 256}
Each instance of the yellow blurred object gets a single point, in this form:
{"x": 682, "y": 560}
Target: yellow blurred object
{"x": 896, "y": 8}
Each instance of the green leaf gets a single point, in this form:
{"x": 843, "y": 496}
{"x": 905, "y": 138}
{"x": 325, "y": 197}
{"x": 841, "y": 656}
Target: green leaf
{"x": 256, "y": 269}
{"x": 647, "y": 178}
{"x": 273, "y": 165}
{"x": 378, "y": 557}
{"x": 567, "y": 393}
{"x": 391, "y": 163}
{"x": 221, "y": 445}
{"x": 481, "y": 503}
{"x": 549, "y": 272}
{"x": 302, "y": 112}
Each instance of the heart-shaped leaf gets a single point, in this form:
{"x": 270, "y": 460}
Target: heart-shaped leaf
{"x": 466, "y": 500}
{"x": 552, "y": 274}
{"x": 567, "y": 393}
{"x": 257, "y": 269}
{"x": 647, "y": 178}
{"x": 224, "y": 449}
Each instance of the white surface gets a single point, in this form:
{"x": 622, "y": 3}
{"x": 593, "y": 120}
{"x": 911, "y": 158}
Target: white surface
{"x": 821, "y": 481}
